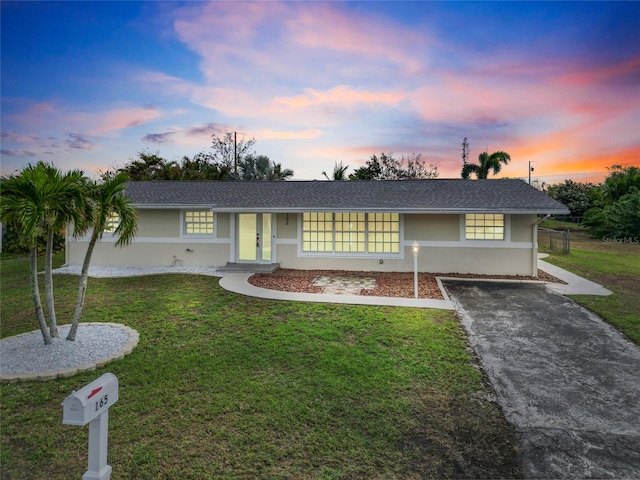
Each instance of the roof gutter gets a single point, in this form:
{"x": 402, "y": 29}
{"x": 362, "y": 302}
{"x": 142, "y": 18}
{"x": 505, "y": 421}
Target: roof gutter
{"x": 343, "y": 208}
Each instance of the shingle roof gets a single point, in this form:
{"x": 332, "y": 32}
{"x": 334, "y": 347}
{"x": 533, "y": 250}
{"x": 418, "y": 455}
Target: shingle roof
{"x": 409, "y": 196}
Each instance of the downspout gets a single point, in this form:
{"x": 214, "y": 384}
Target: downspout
{"x": 66, "y": 245}
{"x": 534, "y": 248}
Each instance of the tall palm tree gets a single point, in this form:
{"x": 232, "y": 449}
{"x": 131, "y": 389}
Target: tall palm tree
{"x": 37, "y": 203}
{"x": 20, "y": 207}
{"x": 486, "y": 163}
{"x": 65, "y": 203}
{"x": 339, "y": 172}
{"x": 106, "y": 198}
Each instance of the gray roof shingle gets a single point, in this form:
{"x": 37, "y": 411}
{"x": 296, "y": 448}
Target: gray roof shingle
{"x": 407, "y": 196}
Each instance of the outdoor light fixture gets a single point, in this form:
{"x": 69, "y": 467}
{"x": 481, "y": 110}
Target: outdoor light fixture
{"x": 286, "y": 219}
{"x": 415, "y": 268}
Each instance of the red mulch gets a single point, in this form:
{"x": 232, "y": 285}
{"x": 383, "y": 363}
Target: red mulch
{"x": 388, "y": 284}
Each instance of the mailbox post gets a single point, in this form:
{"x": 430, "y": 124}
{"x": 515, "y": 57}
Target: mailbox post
{"x": 91, "y": 405}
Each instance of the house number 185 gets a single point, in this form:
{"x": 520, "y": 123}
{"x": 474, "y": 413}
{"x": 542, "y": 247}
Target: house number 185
{"x": 102, "y": 402}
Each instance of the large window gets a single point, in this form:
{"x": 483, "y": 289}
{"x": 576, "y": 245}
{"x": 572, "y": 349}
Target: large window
{"x": 384, "y": 233}
{"x": 484, "y": 226}
{"x": 113, "y": 221}
{"x": 351, "y": 232}
{"x": 317, "y": 232}
{"x": 198, "y": 222}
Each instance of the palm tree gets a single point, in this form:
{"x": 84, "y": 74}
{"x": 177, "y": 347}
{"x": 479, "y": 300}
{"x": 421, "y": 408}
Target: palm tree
{"x": 65, "y": 203}
{"x": 278, "y": 173}
{"x": 487, "y": 163}
{"x": 339, "y": 172}
{"x": 38, "y": 202}
{"x": 20, "y": 207}
{"x": 106, "y": 198}
{"x": 260, "y": 168}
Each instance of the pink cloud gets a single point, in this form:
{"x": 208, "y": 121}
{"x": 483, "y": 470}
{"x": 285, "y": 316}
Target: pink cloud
{"x": 298, "y": 41}
{"x": 268, "y": 134}
{"x": 599, "y": 74}
{"x": 112, "y": 121}
{"x": 31, "y": 114}
{"x": 343, "y": 95}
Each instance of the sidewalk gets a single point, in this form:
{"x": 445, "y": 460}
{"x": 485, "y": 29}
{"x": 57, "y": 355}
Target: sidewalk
{"x": 576, "y": 285}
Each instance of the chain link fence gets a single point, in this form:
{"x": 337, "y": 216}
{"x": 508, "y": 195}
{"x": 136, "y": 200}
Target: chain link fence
{"x": 554, "y": 240}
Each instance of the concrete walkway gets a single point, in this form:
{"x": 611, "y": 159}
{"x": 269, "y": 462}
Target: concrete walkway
{"x": 575, "y": 285}
{"x": 239, "y": 283}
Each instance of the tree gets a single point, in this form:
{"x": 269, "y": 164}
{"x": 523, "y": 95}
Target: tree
{"x": 148, "y": 166}
{"x": 259, "y": 168}
{"x": 465, "y": 151}
{"x": 106, "y": 198}
{"x": 228, "y": 152}
{"x": 616, "y": 210}
{"x": 386, "y": 167}
{"x": 577, "y": 197}
{"x": 339, "y": 172}
{"x": 65, "y": 203}
{"x": 619, "y": 183}
{"x": 36, "y": 203}
{"x": 486, "y": 164}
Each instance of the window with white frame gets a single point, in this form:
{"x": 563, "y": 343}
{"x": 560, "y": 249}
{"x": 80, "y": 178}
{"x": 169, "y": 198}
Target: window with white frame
{"x": 113, "y": 221}
{"x": 384, "y": 233}
{"x": 484, "y": 226}
{"x": 198, "y": 222}
{"x": 351, "y": 232}
{"x": 317, "y": 232}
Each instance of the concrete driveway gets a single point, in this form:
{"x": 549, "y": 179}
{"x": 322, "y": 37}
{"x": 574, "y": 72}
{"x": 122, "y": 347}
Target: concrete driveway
{"x": 569, "y": 382}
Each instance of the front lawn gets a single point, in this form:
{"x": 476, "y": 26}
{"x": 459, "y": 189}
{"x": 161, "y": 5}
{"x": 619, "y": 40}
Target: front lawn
{"x": 228, "y": 386}
{"x": 617, "y": 267}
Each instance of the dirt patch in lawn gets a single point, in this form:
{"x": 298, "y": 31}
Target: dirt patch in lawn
{"x": 387, "y": 284}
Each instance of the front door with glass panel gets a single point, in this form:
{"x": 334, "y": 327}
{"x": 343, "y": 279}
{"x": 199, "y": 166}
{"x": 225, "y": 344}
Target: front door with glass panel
{"x": 254, "y": 237}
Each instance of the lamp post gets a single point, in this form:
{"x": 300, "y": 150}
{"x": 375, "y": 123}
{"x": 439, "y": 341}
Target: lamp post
{"x": 415, "y": 268}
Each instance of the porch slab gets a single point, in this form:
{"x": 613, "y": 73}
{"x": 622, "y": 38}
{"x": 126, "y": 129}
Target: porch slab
{"x": 248, "y": 268}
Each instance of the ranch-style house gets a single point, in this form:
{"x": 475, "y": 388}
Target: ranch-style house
{"x": 459, "y": 226}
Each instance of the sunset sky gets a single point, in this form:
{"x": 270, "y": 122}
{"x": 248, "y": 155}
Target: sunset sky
{"x": 89, "y": 84}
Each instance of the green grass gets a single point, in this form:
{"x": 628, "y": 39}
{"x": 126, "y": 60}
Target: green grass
{"x": 561, "y": 225}
{"x": 226, "y": 386}
{"x": 617, "y": 267}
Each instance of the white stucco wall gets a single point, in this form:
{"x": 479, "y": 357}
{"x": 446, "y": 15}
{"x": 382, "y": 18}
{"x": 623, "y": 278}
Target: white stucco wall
{"x": 442, "y": 247}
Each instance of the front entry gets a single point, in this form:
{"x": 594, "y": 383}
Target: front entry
{"x": 254, "y": 238}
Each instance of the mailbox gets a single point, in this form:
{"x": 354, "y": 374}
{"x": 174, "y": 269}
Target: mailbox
{"x": 84, "y": 405}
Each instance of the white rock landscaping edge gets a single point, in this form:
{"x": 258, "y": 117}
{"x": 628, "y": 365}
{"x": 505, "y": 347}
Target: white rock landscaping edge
{"x": 134, "y": 338}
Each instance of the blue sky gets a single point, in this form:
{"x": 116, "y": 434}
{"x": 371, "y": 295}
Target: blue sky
{"x": 89, "y": 84}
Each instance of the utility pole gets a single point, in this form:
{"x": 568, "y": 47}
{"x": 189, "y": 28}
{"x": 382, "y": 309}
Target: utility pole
{"x": 530, "y": 170}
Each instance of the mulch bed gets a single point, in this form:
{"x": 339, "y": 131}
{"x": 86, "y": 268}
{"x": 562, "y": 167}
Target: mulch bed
{"x": 388, "y": 284}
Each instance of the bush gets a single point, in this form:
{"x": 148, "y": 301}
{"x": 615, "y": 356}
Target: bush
{"x": 619, "y": 219}
{"x": 11, "y": 241}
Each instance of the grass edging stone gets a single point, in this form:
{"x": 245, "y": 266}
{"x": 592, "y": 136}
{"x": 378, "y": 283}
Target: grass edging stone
{"x": 132, "y": 342}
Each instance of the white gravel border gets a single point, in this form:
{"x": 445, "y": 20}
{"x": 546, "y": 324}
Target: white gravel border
{"x": 100, "y": 271}
{"x": 25, "y": 357}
